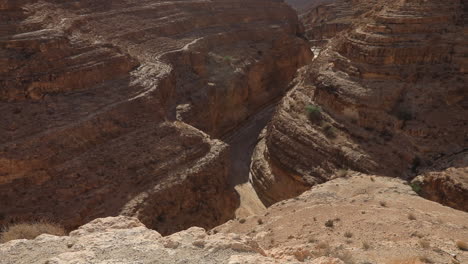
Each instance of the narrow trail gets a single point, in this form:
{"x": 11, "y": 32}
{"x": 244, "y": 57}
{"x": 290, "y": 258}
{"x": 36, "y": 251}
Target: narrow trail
{"x": 243, "y": 141}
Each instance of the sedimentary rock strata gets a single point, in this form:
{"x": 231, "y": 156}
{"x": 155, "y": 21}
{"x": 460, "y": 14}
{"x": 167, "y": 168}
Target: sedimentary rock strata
{"x": 388, "y": 97}
{"x": 446, "y": 182}
{"x": 91, "y": 91}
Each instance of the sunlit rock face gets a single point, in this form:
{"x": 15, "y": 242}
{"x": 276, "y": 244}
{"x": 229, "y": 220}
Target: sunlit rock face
{"x": 391, "y": 97}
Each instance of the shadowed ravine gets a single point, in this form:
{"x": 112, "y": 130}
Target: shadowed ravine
{"x": 242, "y": 142}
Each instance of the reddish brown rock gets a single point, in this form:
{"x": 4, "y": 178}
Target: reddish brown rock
{"x": 91, "y": 91}
{"x": 445, "y": 183}
{"x": 390, "y": 96}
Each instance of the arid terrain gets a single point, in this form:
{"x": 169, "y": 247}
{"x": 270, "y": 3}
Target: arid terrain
{"x": 234, "y": 131}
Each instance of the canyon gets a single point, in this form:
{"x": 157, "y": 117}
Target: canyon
{"x": 235, "y": 131}
{"x": 117, "y": 108}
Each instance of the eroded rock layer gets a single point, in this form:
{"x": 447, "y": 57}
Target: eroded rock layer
{"x": 91, "y": 91}
{"x": 325, "y": 19}
{"x": 388, "y": 97}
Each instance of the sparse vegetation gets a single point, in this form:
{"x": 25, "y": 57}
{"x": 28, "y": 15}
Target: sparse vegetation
{"x": 365, "y": 245}
{"x": 425, "y": 259}
{"x": 342, "y": 173}
{"x": 424, "y": 243}
{"x": 30, "y": 230}
{"x": 314, "y": 112}
{"x": 344, "y": 255}
{"x": 383, "y": 203}
{"x": 323, "y": 249}
{"x": 260, "y": 221}
{"x": 412, "y": 260}
{"x": 411, "y": 216}
{"x": 348, "y": 234}
{"x": 416, "y": 187}
{"x": 417, "y": 234}
{"x": 323, "y": 245}
{"x": 462, "y": 245}
{"x": 228, "y": 58}
{"x": 329, "y": 131}
{"x": 329, "y": 223}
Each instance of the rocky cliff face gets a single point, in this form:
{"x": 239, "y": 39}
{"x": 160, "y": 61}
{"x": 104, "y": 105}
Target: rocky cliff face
{"x": 325, "y": 19}
{"x": 108, "y": 106}
{"x": 388, "y": 97}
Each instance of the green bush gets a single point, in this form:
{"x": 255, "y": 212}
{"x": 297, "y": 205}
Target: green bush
{"x": 416, "y": 187}
{"x": 314, "y": 112}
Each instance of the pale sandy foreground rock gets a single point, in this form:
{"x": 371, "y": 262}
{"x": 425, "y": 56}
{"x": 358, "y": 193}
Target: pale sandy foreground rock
{"x": 361, "y": 219}
{"x": 126, "y": 240}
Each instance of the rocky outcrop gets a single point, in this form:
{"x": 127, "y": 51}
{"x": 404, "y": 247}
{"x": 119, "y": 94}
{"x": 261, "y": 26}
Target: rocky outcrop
{"x": 305, "y": 5}
{"x": 388, "y": 98}
{"x": 359, "y": 219}
{"x": 126, "y": 240}
{"x": 325, "y": 19}
{"x": 108, "y": 106}
{"x": 445, "y": 183}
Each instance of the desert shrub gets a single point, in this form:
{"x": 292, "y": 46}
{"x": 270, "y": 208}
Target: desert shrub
{"x": 348, "y": 234}
{"x": 383, "y": 203}
{"x": 30, "y": 231}
{"x": 344, "y": 255}
{"x": 314, "y": 112}
{"x": 424, "y": 244}
{"x": 329, "y": 223}
{"x": 365, "y": 245}
{"x": 323, "y": 249}
{"x": 412, "y": 260}
{"x": 411, "y": 216}
{"x": 462, "y": 245}
{"x": 342, "y": 173}
{"x": 416, "y": 187}
{"x": 329, "y": 131}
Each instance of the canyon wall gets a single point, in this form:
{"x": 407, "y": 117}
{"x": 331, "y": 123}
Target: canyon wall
{"x": 387, "y": 97}
{"x": 112, "y": 107}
